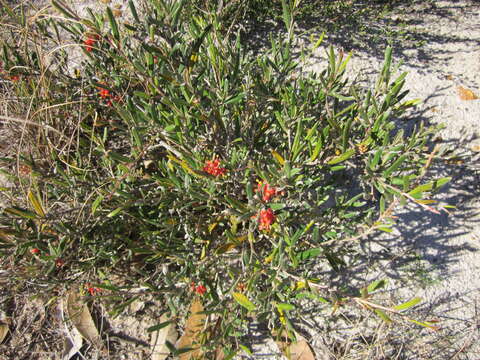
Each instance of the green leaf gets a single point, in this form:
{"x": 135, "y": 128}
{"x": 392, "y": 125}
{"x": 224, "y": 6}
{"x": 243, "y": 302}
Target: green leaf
{"x": 376, "y": 158}
{"x": 64, "y": 11}
{"x": 395, "y": 165}
{"x": 96, "y": 203}
{"x": 382, "y": 315}
{"x": 378, "y": 284}
{"x": 382, "y": 204}
{"x": 159, "y": 326}
{"x": 22, "y": 213}
{"x": 243, "y": 300}
{"x": 116, "y": 156}
{"x": 246, "y": 349}
{"x": 113, "y": 24}
{"x": 235, "y": 99}
{"x": 432, "y": 185}
{"x": 410, "y": 303}
{"x": 133, "y": 11}
{"x": 425, "y": 324}
{"x": 285, "y": 307}
{"x": 316, "y": 151}
{"x": 115, "y": 212}
{"x": 346, "y": 155}
{"x": 308, "y": 254}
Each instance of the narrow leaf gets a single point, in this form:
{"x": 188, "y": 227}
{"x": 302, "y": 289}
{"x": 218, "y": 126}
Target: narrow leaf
{"x": 410, "y": 303}
{"x": 278, "y": 157}
{"x": 113, "y": 24}
{"x": 36, "y": 204}
{"x": 382, "y": 315}
{"x": 378, "y": 284}
{"x": 395, "y": 166}
{"x": 243, "y": 300}
{"x": 346, "y": 155}
{"x": 22, "y": 213}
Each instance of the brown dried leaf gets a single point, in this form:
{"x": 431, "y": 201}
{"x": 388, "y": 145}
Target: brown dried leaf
{"x": 193, "y": 332}
{"x": 80, "y": 317}
{"x": 73, "y": 340}
{"x": 72, "y": 343}
{"x": 159, "y": 338}
{"x": 3, "y": 332}
{"x": 466, "y": 94}
{"x": 299, "y": 350}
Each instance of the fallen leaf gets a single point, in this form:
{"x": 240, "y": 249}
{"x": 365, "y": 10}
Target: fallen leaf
{"x": 193, "y": 332}
{"x": 299, "y": 350}
{"x": 476, "y": 148}
{"x": 3, "y": 332}
{"x": 73, "y": 341}
{"x": 80, "y": 317}
{"x": 466, "y": 94}
{"x": 72, "y": 344}
{"x": 159, "y": 338}
{"x": 117, "y": 13}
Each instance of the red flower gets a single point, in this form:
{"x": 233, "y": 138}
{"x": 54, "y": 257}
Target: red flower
{"x": 266, "y": 219}
{"x": 59, "y": 263}
{"x": 268, "y": 192}
{"x": 104, "y": 93}
{"x": 89, "y": 42}
{"x": 213, "y": 168}
{"x": 14, "y": 78}
{"x": 200, "y": 289}
{"x": 93, "y": 290}
{"x": 34, "y": 251}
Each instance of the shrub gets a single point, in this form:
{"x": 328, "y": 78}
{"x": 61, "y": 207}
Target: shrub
{"x": 171, "y": 158}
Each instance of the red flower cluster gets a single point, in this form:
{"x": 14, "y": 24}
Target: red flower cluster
{"x": 266, "y": 218}
{"x": 199, "y": 289}
{"x": 34, "y": 251}
{"x": 105, "y": 94}
{"x": 93, "y": 290}
{"x": 213, "y": 168}
{"x": 89, "y": 42}
{"x": 268, "y": 192}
